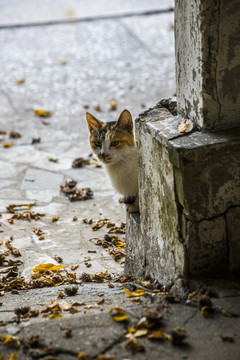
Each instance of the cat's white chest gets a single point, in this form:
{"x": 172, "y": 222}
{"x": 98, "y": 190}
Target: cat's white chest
{"x": 124, "y": 174}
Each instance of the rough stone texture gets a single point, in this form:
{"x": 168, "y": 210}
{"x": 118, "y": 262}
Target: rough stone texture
{"x": 233, "y": 226}
{"x": 207, "y": 62}
{"x": 189, "y": 200}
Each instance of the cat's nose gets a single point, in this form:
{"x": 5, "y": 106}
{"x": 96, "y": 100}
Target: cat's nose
{"x": 104, "y": 156}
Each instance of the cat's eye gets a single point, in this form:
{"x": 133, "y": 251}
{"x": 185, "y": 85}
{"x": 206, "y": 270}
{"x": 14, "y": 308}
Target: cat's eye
{"x": 114, "y": 143}
{"x": 98, "y": 143}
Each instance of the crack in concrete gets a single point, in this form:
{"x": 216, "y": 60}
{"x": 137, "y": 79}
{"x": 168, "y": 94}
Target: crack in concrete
{"x": 109, "y": 347}
{"x": 59, "y": 351}
{"x": 190, "y": 317}
{"x": 140, "y": 42}
{"x": 86, "y": 19}
{"x": 8, "y": 97}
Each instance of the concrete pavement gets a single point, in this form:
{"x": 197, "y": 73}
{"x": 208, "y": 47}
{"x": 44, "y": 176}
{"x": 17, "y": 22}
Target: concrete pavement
{"x": 66, "y": 69}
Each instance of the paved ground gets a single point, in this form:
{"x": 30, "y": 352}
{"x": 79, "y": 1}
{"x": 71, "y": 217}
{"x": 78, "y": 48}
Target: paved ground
{"x": 66, "y": 69}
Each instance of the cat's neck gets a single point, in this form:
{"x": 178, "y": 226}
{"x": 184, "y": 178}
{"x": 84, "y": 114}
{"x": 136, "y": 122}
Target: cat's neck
{"x": 124, "y": 173}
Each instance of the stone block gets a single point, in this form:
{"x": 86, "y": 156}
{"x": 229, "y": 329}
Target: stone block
{"x": 207, "y": 62}
{"x": 187, "y": 185}
{"x": 233, "y": 227}
{"x": 135, "y": 247}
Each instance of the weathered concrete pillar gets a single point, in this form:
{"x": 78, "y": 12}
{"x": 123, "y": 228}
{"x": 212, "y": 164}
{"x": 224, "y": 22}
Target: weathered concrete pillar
{"x": 207, "y": 37}
{"x": 189, "y": 183}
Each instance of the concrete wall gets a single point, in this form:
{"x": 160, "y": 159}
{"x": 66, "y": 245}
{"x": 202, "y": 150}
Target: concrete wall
{"x": 189, "y": 193}
{"x": 207, "y": 62}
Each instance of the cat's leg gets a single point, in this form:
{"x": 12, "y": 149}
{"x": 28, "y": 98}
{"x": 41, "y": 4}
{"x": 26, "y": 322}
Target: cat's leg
{"x": 132, "y": 203}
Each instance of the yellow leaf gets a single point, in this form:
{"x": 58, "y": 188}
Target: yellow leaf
{"x": 120, "y": 318}
{"x": 13, "y": 340}
{"x": 8, "y": 144}
{"x": 119, "y": 314}
{"x": 205, "y": 310}
{"x": 46, "y": 267}
{"x": 136, "y": 293}
{"x": 61, "y": 294}
{"x": 113, "y": 105}
{"x": 42, "y": 113}
{"x": 157, "y": 335}
{"x": 36, "y": 276}
{"x": 119, "y": 244}
{"x": 14, "y": 356}
{"x": 132, "y": 330}
{"x": 127, "y": 292}
{"x": 82, "y": 355}
{"x": 55, "y": 316}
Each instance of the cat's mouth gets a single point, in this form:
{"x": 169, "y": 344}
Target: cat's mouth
{"x": 106, "y": 159}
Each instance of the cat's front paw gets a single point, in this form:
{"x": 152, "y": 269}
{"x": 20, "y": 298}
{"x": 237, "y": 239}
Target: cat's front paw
{"x": 132, "y": 208}
{"x": 132, "y": 205}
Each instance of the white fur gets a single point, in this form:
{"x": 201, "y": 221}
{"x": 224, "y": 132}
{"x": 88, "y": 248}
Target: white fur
{"x": 124, "y": 172}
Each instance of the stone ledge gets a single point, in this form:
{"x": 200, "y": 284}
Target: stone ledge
{"x": 189, "y": 192}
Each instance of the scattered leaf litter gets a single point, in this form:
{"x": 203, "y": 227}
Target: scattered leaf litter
{"x": 74, "y": 194}
{"x": 23, "y": 212}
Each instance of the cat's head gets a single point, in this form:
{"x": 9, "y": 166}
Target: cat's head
{"x": 111, "y": 141}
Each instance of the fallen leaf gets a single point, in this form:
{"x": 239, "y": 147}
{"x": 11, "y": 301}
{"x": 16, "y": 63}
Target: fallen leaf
{"x": 53, "y": 160}
{"x": 185, "y": 126}
{"x": 98, "y": 108}
{"x": 135, "y": 345}
{"x": 55, "y": 316}
{"x": 119, "y": 315}
{"x": 46, "y": 267}
{"x": 43, "y": 113}
{"x": 178, "y": 335}
{"x": 98, "y": 224}
{"x": 74, "y": 267}
{"x": 157, "y": 335}
{"x": 80, "y": 162}
{"x": 136, "y": 293}
{"x": 137, "y": 333}
{"x": 113, "y": 105}
{"x": 8, "y": 144}
{"x": 14, "y": 356}
{"x": 20, "y": 82}
{"x": 14, "y": 135}
{"x": 58, "y": 258}
{"x": 82, "y": 355}
{"x": 61, "y": 294}
{"x": 12, "y": 341}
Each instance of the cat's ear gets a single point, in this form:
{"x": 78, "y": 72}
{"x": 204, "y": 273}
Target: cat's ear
{"x": 93, "y": 123}
{"x": 125, "y": 121}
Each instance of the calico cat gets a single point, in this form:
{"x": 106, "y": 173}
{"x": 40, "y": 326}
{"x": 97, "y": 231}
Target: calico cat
{"x": 114, "y": 144}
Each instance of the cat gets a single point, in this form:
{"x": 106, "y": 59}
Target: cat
{"x": 114, "y": 144}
